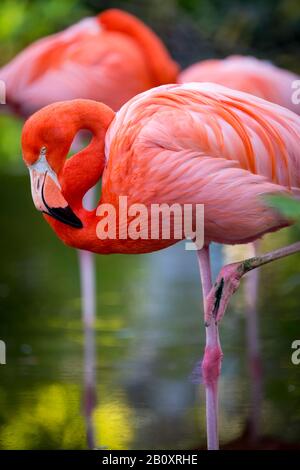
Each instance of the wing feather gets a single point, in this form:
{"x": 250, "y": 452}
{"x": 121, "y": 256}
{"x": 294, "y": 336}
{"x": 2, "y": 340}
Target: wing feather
{"x": 202, "y": 143}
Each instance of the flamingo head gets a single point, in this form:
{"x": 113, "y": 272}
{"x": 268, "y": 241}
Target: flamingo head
{"x": 44, "y": 151}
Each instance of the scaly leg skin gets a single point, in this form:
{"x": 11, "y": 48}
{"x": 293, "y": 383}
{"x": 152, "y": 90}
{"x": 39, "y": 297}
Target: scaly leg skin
{"x": 229, "y": 278}
{"x": 211, "y": 364}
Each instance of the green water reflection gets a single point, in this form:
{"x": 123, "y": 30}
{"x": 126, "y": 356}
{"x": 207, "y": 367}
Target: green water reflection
{"x": 149, "y": 337}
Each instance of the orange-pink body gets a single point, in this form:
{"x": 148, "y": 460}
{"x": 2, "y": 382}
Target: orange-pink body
{"x": 186, "y": 144}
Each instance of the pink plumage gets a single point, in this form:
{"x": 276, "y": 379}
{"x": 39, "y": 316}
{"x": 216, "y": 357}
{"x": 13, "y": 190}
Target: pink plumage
{"x": 203, "y": 143}
{"x": 108, "y": 58}
{"x": 196, "y": 143}
{"x": 258, "y": 77}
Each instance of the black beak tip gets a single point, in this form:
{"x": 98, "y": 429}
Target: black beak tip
{"x": 66, "y": 216}
{"x": 63, "y": 214}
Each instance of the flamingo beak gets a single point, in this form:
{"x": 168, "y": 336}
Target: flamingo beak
{"x": 48, "y": 198}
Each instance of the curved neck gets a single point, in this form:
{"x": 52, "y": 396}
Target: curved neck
{"x": 161, "y": 66}
{"x": 84, "y": 169}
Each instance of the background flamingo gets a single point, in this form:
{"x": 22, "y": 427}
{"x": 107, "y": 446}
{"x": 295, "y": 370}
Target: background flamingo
{"x": 258, "y": 77}
{"x": 109, "y": 58}
{"x": 196, "y": 143}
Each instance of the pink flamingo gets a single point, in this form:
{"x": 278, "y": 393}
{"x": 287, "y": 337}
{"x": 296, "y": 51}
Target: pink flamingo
{"x": 191, "y": 143}
{"x": 248, "y": 74}
{"x": 108, "y": 58}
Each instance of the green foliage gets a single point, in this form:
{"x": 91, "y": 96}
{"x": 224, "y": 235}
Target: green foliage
{"x": 10, "y": 146}
{"x": 23, "y": 21}
{"x": 288, "y": 207}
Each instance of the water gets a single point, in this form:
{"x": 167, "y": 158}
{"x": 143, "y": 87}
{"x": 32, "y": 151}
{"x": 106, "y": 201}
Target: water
{"x": 149, "y": 338}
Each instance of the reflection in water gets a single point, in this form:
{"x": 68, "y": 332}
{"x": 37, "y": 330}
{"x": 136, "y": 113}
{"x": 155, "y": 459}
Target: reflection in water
{"x": 147, "y": 341}
{"x": 251, "y": 292}
{"x": 88, "y": 312}
{"x": 253, "y": 348}
{"x": 88, "y": 308}
{"x": 114, "y": 423}
{"x": 46, "y": 419}
{"x": 169, "y": 310}
{"x": 89, "y": 383}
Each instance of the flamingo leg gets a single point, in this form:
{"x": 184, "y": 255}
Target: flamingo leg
{"x": 211, "y": 364}
{"x": 86, "y": 258}
{"x": 88, "y": 307}
{"x": 229, "y": 278}
{"x": 87, "y": 265}
{"x": 87, "y": 284}
{"x": 253, "y": 348}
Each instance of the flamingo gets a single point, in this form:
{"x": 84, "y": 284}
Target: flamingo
{"x": 248, "y": 74}
{"x": 108, "y": 58}
{"x": 263, "y": 79}
{"x": 191, "y": 143}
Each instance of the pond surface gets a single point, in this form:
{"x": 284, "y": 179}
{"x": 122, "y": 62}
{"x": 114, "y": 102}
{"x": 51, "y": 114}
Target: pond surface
{"x": 149, "y": 339}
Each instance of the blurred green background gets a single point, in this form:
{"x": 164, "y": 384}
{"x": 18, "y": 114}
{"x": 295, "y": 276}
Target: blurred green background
{"x": 149, "y": 332}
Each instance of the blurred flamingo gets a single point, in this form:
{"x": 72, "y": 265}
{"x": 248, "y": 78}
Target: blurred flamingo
{"x": 191, "y": 143}
{"x": 263, "y": 79}
{"x": 248, "y": 74}
{"x": 108, "y": 58}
